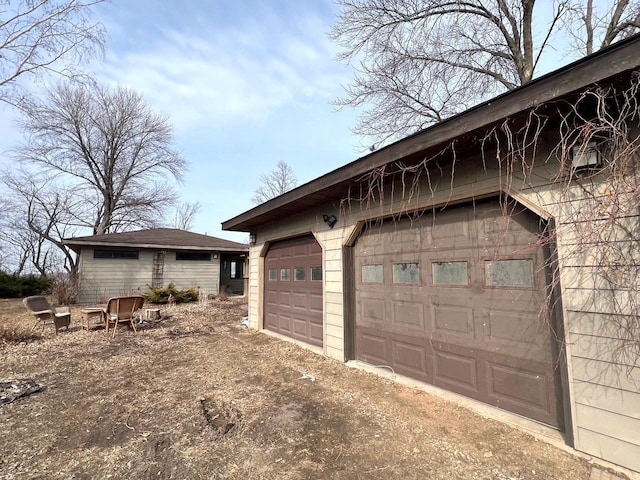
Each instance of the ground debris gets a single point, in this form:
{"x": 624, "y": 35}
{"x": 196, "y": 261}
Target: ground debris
{"x": 11, "y": 390}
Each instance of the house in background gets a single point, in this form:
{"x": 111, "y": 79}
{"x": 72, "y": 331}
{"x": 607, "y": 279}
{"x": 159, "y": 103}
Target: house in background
{"x": 130, "y": 262}
{"x": 454, "y": 257}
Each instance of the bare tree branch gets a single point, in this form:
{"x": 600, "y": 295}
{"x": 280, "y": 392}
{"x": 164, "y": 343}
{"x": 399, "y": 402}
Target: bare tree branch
{"x": 275, "y": 183}
{"x": 44, "y": 36}
{"x": 419, "y": 61}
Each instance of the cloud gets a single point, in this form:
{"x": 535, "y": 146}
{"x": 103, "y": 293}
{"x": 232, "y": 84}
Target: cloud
{"x": 238, "y": 74}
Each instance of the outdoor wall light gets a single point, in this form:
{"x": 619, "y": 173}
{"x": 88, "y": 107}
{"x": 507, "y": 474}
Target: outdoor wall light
{"x": 329, "y": 220}
{"x": 252, "y": 238}
{"x": 586, "y": 156}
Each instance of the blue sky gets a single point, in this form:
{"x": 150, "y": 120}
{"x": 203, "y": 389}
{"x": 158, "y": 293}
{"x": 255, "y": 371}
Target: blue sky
{"x": 245, "y": 84}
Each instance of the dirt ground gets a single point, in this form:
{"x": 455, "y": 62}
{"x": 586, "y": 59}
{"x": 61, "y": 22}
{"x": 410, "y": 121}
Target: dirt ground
{"x": 195, "y": 396}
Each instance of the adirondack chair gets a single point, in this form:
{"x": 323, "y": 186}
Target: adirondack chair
{"x": 122, "y": 309}
{"x": 46, "y": 314}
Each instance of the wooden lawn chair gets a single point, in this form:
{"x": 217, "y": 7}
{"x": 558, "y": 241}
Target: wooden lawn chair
{"x": 122, "y": 309}
{"x": 46, "y": 314}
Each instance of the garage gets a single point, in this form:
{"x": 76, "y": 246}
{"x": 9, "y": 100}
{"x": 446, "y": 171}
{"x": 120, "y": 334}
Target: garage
{"x": 293, "y": 289}
{"x": 456, "y": 298}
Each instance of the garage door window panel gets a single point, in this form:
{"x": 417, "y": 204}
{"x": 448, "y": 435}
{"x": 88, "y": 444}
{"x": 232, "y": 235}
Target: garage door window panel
{"x": 285, "y": 274}
{"x": 406, "y": 273}
{"x": 372, "y": 273}
{"x": 450, "y": 274}
{"x": 273, "y": 275}
{"x": 316, "y": 274}
{"x": 509, "y": 273}
{"x": 300, "y": 275}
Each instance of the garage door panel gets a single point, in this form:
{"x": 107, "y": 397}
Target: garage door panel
{"x": 473, "y": 321}
{"x": 527, "y": 393}
{"x": 453, "y": 319}
{"x": 372, "y": 310}
{"x": 372, "y": 346}
{"x": 315, "y": 302}
{"x": 456, "y": 372}
{"x": 408, "y": 315}
{"x": 411, "y": 358}
{"x": 523, "y": 328}
{"x": 293, "y": 303}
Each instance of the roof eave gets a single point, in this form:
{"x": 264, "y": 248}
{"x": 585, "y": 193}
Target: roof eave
{"x": 77, "y": 245}
{"x": 618, "y": 58}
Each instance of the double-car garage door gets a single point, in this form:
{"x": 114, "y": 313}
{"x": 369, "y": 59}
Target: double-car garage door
{"x": 454, "y": 298}
{"x": 457, "y": 299}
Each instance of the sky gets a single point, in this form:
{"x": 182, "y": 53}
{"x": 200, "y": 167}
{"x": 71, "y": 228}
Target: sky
{"x": 245, "y": 84}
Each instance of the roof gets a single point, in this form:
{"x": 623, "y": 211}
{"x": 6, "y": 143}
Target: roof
{"x": 162, "y": 238}
{"x": 614, "y": 60}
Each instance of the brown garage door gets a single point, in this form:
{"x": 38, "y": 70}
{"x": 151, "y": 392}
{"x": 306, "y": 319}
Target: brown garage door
{"x": 293, "y": 289}
{"x": 455, "y": 299}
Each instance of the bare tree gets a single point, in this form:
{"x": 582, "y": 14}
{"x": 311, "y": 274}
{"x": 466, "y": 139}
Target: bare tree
{"x": 184, "y": 215}
{"x": 38, "y": 36}
{"x": 420, "y": 61}
{"x": 275, "y": 183}
{"x": 108, "y": 149}
{"x": 41, "y": 216}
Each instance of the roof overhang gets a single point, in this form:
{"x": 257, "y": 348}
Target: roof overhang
{"x": 77, "y": 245}
{"x": 620, "y": 57}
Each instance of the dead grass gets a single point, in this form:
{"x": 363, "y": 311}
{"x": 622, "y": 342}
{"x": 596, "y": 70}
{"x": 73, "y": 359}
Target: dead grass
{"x": 196, "y": 396}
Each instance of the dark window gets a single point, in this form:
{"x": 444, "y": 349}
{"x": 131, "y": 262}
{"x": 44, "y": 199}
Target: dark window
{"x": 117, "y": 254}
{"x": 316, "y": 274}
{"x": 194, "y": 256}
{"x": 236, "y": 268}
{"x": 300, "y": 275}
{"x": 273, "y": 275}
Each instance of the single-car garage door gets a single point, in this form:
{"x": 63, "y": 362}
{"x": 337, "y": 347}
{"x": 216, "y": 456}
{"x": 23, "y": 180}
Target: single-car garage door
{"x": 293, "y": 289}
{"x": 456, "y": 298}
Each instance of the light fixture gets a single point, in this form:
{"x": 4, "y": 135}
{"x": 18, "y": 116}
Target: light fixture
{"x": 329, "y": 220}
{"x": 215, "y": 256}
{"x": 252, "y": 238}
{"x": 585, "y": 156}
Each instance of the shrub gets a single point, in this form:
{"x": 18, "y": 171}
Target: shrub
{"x": 171, "y": 294}
{"x": 65, "y": 288}
{"x": 14, "y": 286}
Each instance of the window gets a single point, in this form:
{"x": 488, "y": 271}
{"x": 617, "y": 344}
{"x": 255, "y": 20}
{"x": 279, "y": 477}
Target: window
{"x": 117, "y": 254}
{"x": 406, "y": 273}
{"x": 450, "y": 273}
{"x": 316, "y": 274}
{"x": 273, "y": 275}
{"x": 300, "y": 275}
{"x": 193, "y": 256}
{"x": 372, "y": 274}
{"x": 508, "y": 273}
{"x": 285, "y": 274}
{"x": 236, "y": 267}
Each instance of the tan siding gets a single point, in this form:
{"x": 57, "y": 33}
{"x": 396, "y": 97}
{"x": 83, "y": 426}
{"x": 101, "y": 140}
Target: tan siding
{"x": 104, "y": 278}
{"x": 192, "y": 274}
{"x": 609, "y": 448}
